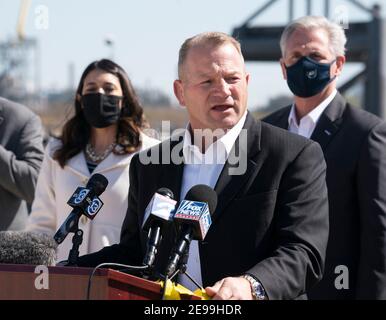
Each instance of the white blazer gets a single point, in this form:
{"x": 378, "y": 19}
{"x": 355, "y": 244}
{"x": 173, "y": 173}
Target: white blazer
{"x": 55, "y": 186}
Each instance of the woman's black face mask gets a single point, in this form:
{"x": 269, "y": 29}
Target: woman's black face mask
{"x": 101, "y": 110}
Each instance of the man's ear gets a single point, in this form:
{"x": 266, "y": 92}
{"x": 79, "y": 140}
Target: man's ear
{"x": 340, "y": 61}
{"x": 179, "y": 92}
{"x": 283, "y": 69}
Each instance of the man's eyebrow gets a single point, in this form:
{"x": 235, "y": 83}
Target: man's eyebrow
{"x": 300, "y": 51}
{"x": 208, "y": 75}
{"x": 233, "y": 72}
{"x": 203, "y": 74}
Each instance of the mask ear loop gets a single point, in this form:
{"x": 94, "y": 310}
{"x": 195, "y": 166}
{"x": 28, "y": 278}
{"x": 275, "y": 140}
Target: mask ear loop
{"x": 335, "y": 76}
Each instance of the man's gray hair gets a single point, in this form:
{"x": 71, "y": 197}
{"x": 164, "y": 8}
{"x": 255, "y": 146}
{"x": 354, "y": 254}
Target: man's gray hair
{"x": 203, "y": 39}
{"x": 336, "y": 35}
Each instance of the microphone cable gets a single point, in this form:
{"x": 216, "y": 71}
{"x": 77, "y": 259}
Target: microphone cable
{"x": 128, "y": 267}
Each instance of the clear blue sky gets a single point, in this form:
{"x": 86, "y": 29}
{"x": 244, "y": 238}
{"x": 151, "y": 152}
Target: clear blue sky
{"x": 147, "y": 36}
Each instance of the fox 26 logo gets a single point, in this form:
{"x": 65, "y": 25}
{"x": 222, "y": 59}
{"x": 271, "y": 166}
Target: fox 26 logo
{"x": 94, "y": 206}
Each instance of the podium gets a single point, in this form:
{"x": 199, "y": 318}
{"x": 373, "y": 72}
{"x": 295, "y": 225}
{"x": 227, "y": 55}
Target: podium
{"x": 21, "y": 282}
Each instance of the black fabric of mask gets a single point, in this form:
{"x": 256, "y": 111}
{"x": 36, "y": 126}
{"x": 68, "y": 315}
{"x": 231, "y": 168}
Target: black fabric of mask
{"x": 101, "y": 110}
{"x": 308, "y": 77}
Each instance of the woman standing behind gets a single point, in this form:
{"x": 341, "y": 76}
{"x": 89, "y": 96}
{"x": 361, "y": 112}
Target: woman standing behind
{"x": 101, "y": 138}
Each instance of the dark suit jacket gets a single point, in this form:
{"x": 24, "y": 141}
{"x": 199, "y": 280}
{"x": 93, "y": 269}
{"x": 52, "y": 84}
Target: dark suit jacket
{"x": 354, "y": 145}
{"x": 21, "y": 155}
{"x": 272, "y": 221}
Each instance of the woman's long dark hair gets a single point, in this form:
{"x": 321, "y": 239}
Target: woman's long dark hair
{"x": 76, "y": 132}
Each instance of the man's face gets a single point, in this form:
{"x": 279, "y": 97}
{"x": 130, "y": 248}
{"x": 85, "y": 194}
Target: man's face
{"x": 313, "y": 44}
{"x": 213, "y": 87}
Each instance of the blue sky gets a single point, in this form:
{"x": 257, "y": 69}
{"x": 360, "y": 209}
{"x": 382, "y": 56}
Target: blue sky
{"x": 147, "y": 35}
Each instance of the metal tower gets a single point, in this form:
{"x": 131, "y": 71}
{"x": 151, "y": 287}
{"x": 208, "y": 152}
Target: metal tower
{"x": 366, "y": 44}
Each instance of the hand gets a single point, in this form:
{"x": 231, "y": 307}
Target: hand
{"x": 230, "y": 289}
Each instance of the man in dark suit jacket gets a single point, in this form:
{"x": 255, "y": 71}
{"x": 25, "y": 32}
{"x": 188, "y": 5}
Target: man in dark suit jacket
{"x": 354, "y": 146}
{"x": 271, "y": 220}
{"x": 21, "y": 155}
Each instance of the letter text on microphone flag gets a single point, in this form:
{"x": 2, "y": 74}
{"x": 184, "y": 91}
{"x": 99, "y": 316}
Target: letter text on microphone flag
{"x": 191, "y": 212}
{"x": 85, "y": 199}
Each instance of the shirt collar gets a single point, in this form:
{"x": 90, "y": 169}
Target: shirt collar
{"x": 315, "y": 113}
{"x": 226, "y": 141}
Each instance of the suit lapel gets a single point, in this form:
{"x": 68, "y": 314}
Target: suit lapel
{"x": 228, "y": 184}
{"x": 282, "y": 120}
{"x": 171, "y": 176}
{"x": 329, "y": 122}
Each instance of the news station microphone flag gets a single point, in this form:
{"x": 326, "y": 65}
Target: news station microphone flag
{"x": 85, "y": 201}
{"x": 158, "y": 213}
{"x": 193, "y": 216}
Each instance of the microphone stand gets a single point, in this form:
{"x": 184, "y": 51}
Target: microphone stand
{"x": 183, "y": 267}
{"x": 77, "y": 240}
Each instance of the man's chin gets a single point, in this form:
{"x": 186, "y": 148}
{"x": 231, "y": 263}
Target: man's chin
{"x": 226, "y": 123}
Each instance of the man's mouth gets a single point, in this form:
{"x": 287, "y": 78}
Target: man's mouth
{"x": 222, "y": 107}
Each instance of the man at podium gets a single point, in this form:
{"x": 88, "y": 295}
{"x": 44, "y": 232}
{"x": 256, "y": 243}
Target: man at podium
{"x": 269, "y": 230}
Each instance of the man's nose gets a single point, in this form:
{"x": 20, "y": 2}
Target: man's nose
{"x": 223, "y": 88}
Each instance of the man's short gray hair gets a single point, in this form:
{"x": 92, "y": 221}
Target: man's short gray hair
{"x": 336, "y": 35}
{"x": 202, "y": 39}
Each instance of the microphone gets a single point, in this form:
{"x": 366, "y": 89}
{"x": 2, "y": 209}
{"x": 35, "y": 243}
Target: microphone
{"x": 158, "y": 212}
{"x": 194, "y": 217}
{"x": 84, "y": 201}
{"x": 25, "y": 247}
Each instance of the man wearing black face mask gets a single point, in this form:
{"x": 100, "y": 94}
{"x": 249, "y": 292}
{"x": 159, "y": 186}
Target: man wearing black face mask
{"x": 354, "y": 145}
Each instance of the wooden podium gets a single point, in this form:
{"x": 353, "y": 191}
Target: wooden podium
{"x": 17, "y": 282}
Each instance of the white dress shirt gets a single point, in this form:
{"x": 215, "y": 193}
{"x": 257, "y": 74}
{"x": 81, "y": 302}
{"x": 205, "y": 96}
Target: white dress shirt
{"x": 204, "y": 168}
{"x": 308, "y": 123}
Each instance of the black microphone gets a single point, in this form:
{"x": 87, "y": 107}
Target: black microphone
{"x": 25, "y": 247}
{"x": 84, "y": 201}
{"x": 158, "y": 212}
{"x": 193, "y": 215}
